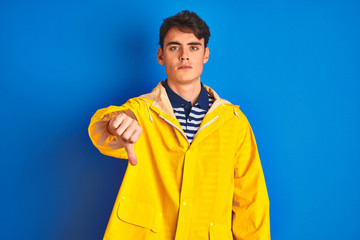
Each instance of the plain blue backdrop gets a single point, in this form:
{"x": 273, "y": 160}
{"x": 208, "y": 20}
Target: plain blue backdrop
{"x": 292, "y": 66}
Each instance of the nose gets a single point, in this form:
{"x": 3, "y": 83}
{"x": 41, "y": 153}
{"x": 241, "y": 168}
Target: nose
{"x": 184, "y": 55}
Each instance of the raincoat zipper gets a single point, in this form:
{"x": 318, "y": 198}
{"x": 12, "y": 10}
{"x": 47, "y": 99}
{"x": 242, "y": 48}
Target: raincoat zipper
{"x": 180, "y": 130}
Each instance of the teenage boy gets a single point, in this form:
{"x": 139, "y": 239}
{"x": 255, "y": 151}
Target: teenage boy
{"x": 194, "y": 169}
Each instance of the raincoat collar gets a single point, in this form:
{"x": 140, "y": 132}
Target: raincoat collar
{"x": 178, "y": 101}
{"x": 161, "y": 100}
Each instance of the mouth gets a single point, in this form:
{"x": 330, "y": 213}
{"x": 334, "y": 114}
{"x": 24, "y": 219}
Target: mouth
{"x": 185, "y": 67}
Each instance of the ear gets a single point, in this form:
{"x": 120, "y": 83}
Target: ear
{"x": 160, "y": 56}
{"x": 206, "y": 55}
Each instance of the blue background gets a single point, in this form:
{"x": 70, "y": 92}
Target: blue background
{"x": 292, "y": 66}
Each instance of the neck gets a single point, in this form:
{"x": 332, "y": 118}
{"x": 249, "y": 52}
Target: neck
{"x": 188, "y": 91}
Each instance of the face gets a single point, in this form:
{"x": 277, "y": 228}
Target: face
{"x": 183, "y": 55}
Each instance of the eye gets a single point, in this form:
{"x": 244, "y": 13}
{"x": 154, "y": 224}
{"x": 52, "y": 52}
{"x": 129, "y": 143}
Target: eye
{"x": 173, "y": 48}
{"x": 194, "y": 48}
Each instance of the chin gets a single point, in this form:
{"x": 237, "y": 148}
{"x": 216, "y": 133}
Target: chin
{"x": 187, "y": 79}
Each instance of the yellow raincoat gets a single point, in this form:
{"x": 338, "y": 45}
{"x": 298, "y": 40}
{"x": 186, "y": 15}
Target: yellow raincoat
{"x": 212, "y": 189}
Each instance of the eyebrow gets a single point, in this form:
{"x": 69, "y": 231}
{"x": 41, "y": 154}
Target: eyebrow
{"x": 177, "y": 43}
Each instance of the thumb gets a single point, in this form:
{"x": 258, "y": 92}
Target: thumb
{"x": 129, "y": 147}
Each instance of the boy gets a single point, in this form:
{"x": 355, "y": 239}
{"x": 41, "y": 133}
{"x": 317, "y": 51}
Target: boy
{"x": 194, "y": 170}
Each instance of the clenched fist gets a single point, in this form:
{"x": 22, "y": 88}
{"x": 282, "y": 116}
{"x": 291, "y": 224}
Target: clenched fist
{"x": 125, "y": 126}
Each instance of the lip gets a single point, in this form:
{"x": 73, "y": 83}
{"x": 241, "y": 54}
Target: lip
{"x": 185, "y": 67}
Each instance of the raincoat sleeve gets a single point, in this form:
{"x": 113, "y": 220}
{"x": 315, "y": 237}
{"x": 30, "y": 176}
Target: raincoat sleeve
{"x": 251, "y": 217}
{"x": 99, "y": 135}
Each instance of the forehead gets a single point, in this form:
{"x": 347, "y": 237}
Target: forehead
{"x": 175, "y": 35}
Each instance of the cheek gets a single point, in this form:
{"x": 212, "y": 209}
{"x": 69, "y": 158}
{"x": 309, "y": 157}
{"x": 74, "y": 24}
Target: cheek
{"x": 169, "y": 68}
{"x": 200, "y": 68}
{"x": 199, "y": 64}
{"x": 170, "y": 63}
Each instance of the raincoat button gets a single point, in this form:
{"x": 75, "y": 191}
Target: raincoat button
{"x": 211, "y": 224}
{"x": 184, "y": 203}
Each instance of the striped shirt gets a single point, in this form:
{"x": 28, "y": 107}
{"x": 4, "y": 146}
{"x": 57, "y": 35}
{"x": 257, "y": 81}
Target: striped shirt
{"x": 189, "y": 117}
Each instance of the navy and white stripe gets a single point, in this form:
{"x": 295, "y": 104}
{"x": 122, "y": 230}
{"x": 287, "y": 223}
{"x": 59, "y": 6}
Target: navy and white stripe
{"x": 191, "y": 124}
{"x": 189, "y": 117}
{"x": 211, "y": 100}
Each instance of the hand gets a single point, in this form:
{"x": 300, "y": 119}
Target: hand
{"x": 125, "y": 126}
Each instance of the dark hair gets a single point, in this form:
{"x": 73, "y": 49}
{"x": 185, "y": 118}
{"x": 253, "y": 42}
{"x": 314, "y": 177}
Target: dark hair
{"x": 185, "y": 21}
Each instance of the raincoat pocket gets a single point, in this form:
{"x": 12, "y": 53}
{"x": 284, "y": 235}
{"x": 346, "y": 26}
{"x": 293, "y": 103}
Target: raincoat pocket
{"x": 138, "y": 214}
{"x": 220, "y": 232}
